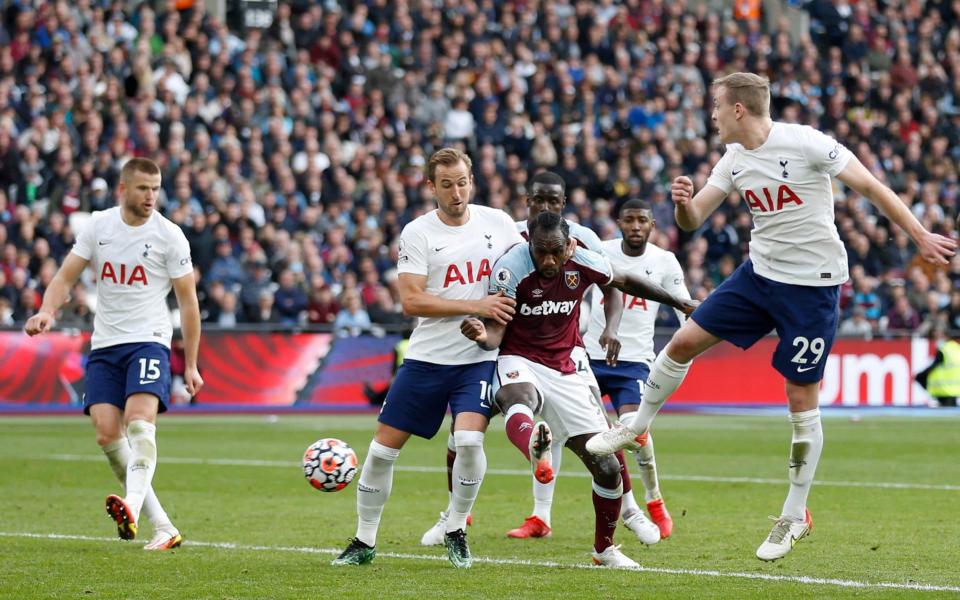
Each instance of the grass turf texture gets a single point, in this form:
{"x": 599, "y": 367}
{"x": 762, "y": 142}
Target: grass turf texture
{"x": 237, "y": 480}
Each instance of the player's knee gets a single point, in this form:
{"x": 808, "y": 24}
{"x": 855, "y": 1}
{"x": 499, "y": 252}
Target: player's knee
{"x": 506, "y": 398}
{"x": 105, "y": 438}
{"x": 606, "y": 471}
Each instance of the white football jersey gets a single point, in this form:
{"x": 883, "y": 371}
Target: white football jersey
{"x": 786, "y": 184}
{"x": 133, "y": 267}
{"x": 639, "y": 315}
{"x": 457, "y": 262}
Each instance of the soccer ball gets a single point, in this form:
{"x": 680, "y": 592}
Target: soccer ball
{"x": 329, "y": 464}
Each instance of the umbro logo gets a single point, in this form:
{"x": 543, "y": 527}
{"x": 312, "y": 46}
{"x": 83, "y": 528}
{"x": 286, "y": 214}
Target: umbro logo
{"x": 526, "y": 426}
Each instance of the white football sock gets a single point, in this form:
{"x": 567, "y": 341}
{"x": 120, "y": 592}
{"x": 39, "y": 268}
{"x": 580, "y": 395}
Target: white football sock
{"x": 646, "y": 462}
{"x": 543, "y": 492}
{"x": 666, "y": 375}
{"x": 804, "y": 456}
{"x": 118, "y": 454}
{"x": 452, "y": 447}
{"x": 373, "y": 490}
{"x": 142, "y": 463}
{"x": 468, "y": 470}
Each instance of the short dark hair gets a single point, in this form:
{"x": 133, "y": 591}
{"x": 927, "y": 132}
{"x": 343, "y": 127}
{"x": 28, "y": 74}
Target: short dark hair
{"x": 138, "y": 165}
{"x": 548, "y": 221}
{"x": 634, "y": 203}
{"x": 549, "y": 178}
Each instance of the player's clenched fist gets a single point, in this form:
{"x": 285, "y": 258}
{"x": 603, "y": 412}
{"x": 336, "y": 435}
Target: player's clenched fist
{"x": 497, "y": 307}
{"x": 38, "y": 323}
{"x": 473, "y": 329}
{"x": 681, "y": 190}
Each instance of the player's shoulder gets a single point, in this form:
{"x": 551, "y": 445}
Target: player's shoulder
{"x": 585, "y": 236}
{"x": 423, "y": 223}
{"x": 517, "y": 258}
{"x": 661, "y": 255}
{"x": 591, "y": 259}
{"x": 486, "y": 214}
{"x": 790, "y": 134}
{"x": 612, "y": 247}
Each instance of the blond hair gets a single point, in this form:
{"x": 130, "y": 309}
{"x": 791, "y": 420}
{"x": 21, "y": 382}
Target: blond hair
{"x": 447, "y": 157}
{"x": 138, "y": 165}
{"x": 749, "y": 89}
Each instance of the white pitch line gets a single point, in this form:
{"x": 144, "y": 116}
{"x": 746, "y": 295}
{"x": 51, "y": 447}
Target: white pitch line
{"x": 849, "y": 583}
{"x": 285, "y": 464}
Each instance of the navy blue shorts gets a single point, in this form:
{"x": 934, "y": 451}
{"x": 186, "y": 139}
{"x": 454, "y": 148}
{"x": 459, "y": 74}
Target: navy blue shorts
{"x": 623, "y": 383}
{"x": 420, "y": 393}
{"x": 116, "y": 372}
{"x": 747, "y": 306}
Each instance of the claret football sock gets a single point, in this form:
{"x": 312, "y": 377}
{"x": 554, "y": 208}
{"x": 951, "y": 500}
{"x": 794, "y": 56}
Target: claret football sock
{"x": 519, "y": 425}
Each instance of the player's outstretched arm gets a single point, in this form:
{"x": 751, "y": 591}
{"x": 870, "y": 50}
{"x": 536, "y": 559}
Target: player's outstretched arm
{"x": 612, "y": 312}
{"x": 692, "y": 210}
{"x": 932, "y": 247}
{"x": 57, "y": 293}
{"x": 488, "y": 334}
{"x": 417, "y": 302}
{"x": 186, "y": 290}
{"x": 644, "y": 288}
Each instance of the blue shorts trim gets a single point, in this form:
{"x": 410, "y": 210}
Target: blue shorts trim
{"x": 747, "y": 306}
{"x": 623, "y": 383}
{"x": 116, "y": 372}
{"x": 422, "y": 391}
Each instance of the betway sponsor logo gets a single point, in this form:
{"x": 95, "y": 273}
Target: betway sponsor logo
{"x": 549, "y": 307}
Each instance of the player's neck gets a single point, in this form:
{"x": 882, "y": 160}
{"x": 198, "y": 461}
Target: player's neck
{"x": 755, "y": 134}
{"x": 454, "y": 221}
{"x": 630, "y": 251}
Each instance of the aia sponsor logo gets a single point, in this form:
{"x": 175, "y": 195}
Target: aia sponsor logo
{"x": 123, "y": 274}
{"x": 467, "y": 273}
{"x": 771, "y": 201}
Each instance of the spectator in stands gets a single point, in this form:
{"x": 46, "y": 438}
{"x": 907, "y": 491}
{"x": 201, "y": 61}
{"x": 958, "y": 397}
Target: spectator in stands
{"x": 322, "y": 308}
{"x": 226, "y": 267}
{"x": 290, "y": 301}
{"x": 857, "y": 324}
{"x": 352, "y": 318}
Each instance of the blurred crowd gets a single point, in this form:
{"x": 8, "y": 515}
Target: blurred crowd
{"x": 293, "y": 156}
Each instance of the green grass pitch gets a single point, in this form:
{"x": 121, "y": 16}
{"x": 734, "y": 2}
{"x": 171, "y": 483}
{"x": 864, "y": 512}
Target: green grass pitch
{"x": 885, "y": 515}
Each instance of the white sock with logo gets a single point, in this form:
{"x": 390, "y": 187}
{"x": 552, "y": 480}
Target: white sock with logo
{"x": 142, "y": 463}
{"x": 118, "y": 454}
{"x": 543, "y": 492}
{"x": 805, "y": 452}
{"x": 468, "y": 471}
{"x": 646, "y": 462}
{"x": 373, "y": 490}
{"x": 666, "y": 375}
